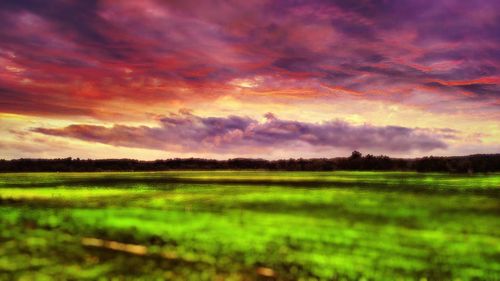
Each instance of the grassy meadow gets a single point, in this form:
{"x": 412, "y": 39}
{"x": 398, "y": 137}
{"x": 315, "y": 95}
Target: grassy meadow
{"x": 249, "y": 225}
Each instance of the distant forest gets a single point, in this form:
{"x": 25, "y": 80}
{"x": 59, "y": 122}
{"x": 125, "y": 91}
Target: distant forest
{"x": 480, "y": 163}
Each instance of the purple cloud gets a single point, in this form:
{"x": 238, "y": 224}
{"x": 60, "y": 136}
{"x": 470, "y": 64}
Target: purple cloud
{"x": 188, "y": 132}
{"x": 161, "y": 48}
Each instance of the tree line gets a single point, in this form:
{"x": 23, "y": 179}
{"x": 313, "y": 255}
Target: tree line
{"x": 479, "y": 163}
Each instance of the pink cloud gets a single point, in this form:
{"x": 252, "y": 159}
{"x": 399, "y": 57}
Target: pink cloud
{"x": 187, "y": 132}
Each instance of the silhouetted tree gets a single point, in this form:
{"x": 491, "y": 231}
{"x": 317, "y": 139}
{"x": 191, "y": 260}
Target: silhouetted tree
{"x": 480, "y": 163}
{"x": 355, "y": 155}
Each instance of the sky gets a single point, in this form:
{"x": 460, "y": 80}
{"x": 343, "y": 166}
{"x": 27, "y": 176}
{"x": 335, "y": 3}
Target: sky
{"x": 254, "y": 78}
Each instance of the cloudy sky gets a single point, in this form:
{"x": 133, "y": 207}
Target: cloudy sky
{"x": 255, "y": 78}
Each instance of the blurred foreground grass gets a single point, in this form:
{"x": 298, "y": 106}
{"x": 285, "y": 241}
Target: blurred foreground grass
{"x": 251, "y": 225}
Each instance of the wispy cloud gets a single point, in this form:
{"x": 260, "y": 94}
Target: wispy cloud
{"x": 156, "y": 50}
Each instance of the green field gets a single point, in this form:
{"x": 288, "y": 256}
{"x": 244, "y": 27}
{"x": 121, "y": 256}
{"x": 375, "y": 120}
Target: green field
{"x": 251, "y": 225}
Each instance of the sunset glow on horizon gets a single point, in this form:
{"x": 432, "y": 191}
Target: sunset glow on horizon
{"x": 261, "y": 79}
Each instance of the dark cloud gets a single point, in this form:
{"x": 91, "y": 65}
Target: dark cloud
{"x": 19, "y": 101}
{"x": 478, "y": 90}
{"x": 482, "y": 89}
{"x": 354, "y": 29}
{"x": 294, "y": 64}
{"x": 154, "y": 50}
{"x": 187, "y": 132}
{"x": 78, "y": 20}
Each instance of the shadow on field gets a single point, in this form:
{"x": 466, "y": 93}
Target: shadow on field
{"x": 170, "y": 183}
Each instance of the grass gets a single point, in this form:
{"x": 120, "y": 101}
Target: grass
{"x": 248, "y": 225}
